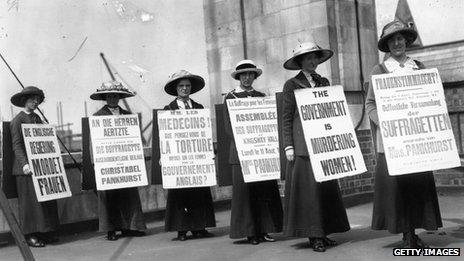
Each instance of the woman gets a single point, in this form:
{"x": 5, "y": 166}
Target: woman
{"x": 256, "y": 206}
{"x": 187, "y": 209}
{"x": 312, "y": 209}
{"x": 118, "y": 209}
{"x": 37, "y": 220}
{"x": 401, "y": 203}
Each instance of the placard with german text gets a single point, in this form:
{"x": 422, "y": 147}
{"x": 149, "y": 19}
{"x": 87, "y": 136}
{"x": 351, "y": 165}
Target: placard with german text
{"x": 414, "y": 122}
{"x": 117, "y": 152}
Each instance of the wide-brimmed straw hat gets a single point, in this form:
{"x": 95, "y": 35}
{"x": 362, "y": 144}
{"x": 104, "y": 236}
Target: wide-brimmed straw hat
{"x": 304, "y": 48}
{"x": 245, "y": 66}
{"x": 20, "y": 98}
{"x": 391, "y": 29}
{"x": 196, "y": 81}
{"x": 111, "y": 87}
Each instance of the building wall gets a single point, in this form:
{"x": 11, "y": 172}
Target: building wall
{"x": 274, "y": 28}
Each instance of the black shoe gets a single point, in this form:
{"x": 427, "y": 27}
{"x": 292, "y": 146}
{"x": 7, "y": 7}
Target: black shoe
{"x": 330, "y": 242}
{"x": 318, "y": 245}
{"x": 202, "y": 233}
{"x": 409, "y": 241}
{"x": 111, "y": 236}
{"x": 253, "y": 240}
{"x": 182, "y": 236}
{"x": 34, "y": 241}
{"x": 267, "y": 238}
{"x": 420, "y": 243}
{"x": 48, "y": 238}
{"x": 132, "y": 233}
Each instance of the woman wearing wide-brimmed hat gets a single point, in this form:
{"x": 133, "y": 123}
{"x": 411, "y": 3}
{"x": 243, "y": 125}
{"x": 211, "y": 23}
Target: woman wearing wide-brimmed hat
{"x": 118, "y": 209}
{"x": 312, "y": 209}
{"x": 187, "y": 209}
{"x": 256, "y": 206}
{"x": 38, "y": 220}
{"x": 401, "y": 203}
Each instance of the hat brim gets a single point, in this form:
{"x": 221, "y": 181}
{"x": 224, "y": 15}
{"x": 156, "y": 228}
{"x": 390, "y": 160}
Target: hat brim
{"x": 237, "y": 73}
{"x": 19, "y": 99}
{"x": 101, "y": 96}
{"x": 409, "y": 34}
{"x": 196, "y": 81}
{"x": 324, "y": 55}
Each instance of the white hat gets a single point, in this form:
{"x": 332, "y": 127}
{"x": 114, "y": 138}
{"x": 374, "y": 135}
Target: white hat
{"x": 304, "y": 48}
{"x": 245, "y": 66}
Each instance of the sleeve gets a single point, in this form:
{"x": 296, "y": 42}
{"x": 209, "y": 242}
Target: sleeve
{"x": 371, "y": 107}
{"x": 225, "y": 111}
{"x": 288, "y": 111}
{"x": 18, "y": 142}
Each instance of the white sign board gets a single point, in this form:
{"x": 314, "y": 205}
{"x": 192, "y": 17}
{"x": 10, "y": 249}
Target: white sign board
{"x": 329, "y": 134}
{"x": 117, "y": 152}
{"x": 414, "y": 122}
{"x": 254, "y": 125}
{"x": 186, "y": 148}
{"x": 44, "y": 157}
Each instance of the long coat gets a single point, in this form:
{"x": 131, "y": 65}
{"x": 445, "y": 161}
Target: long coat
{"x": 256, "y": 206}
{"x": 34, "y": 216}
{"x": 189, "y": 209}
{"x": 401, "y": 203}
{"x": 312, "y": 209}
{"x": 119, "y": 209}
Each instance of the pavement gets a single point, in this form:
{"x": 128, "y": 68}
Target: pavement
{"x": 360, "y": 243}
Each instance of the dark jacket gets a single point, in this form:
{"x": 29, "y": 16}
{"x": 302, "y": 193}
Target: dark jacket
{"x": 173, "y": 105}
{"x": 292, "y": 128}
{"x": 233, "y": 155}
{"x": 18, "y": 141}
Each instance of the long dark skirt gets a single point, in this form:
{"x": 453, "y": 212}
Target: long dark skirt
{"x": 189, "y": 209}
{"x": 120, "y": 209}
{"x": 34, "y": 216}
{"x": 403, "y": 203}
{"x": 256, "y": 207}
{"x": 312, "y": 209}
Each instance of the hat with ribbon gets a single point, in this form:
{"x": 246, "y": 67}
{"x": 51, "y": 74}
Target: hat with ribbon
{"x": 196, "y": 81}
{"x": 304, "y": 48}
{"x": 391, "y": 29}
{"x": 246, "y": 66}
{"x": 111, "y": 87}
{"x": 20, "y": 98}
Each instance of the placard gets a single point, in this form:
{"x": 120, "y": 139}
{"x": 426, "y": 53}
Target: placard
{"x": 329, "y": 134}
{"x": 255, "y": 129}
{"x": 117, "y": 152}
{"x": 44, "y": 157}
{"x": 414, "y": 122}
{"x": 186, "y": 148}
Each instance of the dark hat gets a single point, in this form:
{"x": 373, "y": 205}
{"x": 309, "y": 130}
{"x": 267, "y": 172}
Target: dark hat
{"x": 111, "y": 87}
{"x": 171, "y": 86}
{"x": 245, "y": 66}
{"x": 304, "y": 48}
{"x": 20, "y": 98}
{"x": 391, "y": 29}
